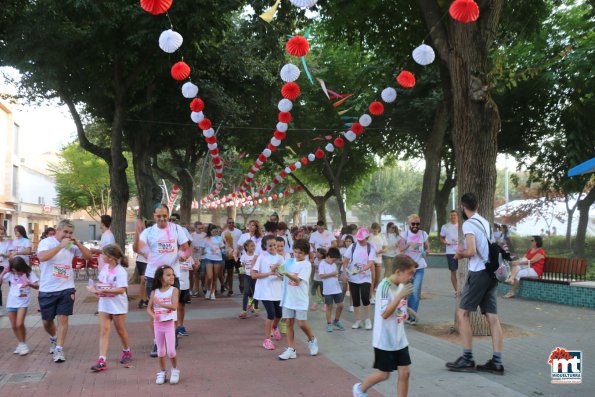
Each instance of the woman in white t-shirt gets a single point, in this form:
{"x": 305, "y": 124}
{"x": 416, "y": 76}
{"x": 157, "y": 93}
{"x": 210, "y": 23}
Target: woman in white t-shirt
{"x": 379, "y": 243}
{"x": 113, "y": 303}
{"x": 211, "y": 248}
{"x": 21, "y": 245}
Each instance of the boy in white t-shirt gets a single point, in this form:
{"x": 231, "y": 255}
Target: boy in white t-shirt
{"x": 391, "y": 351}
{"x": 294, "y": 301}
{"x": 331, "y": 288}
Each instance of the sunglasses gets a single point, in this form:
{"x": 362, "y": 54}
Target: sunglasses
{"x": 415, "y": 223}
{"x": 161, "y": 216}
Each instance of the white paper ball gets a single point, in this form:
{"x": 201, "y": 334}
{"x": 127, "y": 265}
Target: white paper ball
{"x": 197, "y": 116}
{"x": 189, "y": 90}
{"x": 208, "y": 133}
{"x": 212, "y": 146}
{"x": 282, "y": 127}
{"x": 258, "y": 161}
{"x": 291, "y": 190}
{"x": 250, "y": 175}
{"x": 298, "y": 165}
{"x": 365, "y": 120}
{"x": 267, "y": 153}
{"x": 287, "y": 170}
{"x": 275, "y": 142}
{"x": 303, "y": 3}
{"x": 350, "y": 136}
{"x": 170, "y": 41}
{"x": 289, "y": 72}
{"x": 285, "y": 105}
{"x": 329, "y": 147}
{"x": 424, "y": 55}
{"x": 388, "y": 95}
{"x": 311, "y": 157}
{"x": 280, "y": 194}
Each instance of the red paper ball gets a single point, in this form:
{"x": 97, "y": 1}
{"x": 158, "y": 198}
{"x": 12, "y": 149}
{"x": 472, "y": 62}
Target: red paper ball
{"x": 357, "y": 128}
{"x": 216, "y": 160}
{"x": 214, "y": 152}
{"x": 205, "y": 124}
{"x": 406, "y": 79}
{"x": 219, "y": 175}
{"x": 283, "y": 174}
{"x": 464, "y": 11}
{"x": 262, "y": 158}
{"x": 292, "y": 167}
{"x": 271, "y": 147}
{"x": 180, "y": 71}
{"x": 156, "y": 7}
{"x": 304, "y": 161}
{"x": 274, "y": 197}
{"x": 279, "y": 135}
{"x": 285, "y": 117}
{"x": 256, "y": 165}
{"x": 211, "y": 140}
{"x": 247, "y": 180}
{"x": 339, "y": 142}
{"x": 376, "y": 108}
{"x": 268, "y": 188}
{"x": 261, "y": 191}
{"x": 290, "y": 90}
{"x": 299, "y": 188}
{"x": 197, "y": 105}
{"x": 297, "y": 46}
{"x": 285, "y": 192}
{"x": 319, "y": 153}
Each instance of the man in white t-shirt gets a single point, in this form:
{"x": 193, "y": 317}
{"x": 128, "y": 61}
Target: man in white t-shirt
{"x": 231, "y": 235}
{"x": 449, "y": 236}
{"x": 56, "y": 283}
{"x": 107, "y": 237}
{"x": 321, "y": 238}
{"x": 479, "y": 290}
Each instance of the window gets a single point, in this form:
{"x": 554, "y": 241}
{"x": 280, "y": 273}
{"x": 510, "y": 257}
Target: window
{"x": 15, "y": 138}
{"x": 41, "y": 200}
{"x": 15, "y": 181}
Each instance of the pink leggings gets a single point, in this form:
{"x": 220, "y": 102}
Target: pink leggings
{"x": 165, "y": 336}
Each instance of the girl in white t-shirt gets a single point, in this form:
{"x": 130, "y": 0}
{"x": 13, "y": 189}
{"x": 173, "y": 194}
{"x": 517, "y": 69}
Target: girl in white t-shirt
{"x": 247, "y": 260}
{"x": 21, "y": 280}
{"x": 211, "y": 248}
{"x": 113, "y": 303}
{"x": 21, "y": 245}
{"x": 316, "y": 286}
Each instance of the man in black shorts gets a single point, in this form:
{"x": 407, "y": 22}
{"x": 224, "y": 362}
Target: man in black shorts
{"x": 480, "y": 290}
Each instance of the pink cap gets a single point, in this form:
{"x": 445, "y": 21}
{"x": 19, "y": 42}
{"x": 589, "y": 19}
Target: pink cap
{"x": 362, "y": 234}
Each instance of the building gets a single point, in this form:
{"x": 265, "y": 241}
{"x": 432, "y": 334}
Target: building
{"x": 9, "y": 166}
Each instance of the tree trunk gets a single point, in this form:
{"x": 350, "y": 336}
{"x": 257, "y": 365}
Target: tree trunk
{"x": 118, "y": 182}
{"x": 149, "y": 192}
{"x": 232, "y": 212}
{"x": 570, "y": 210}
{"x": 442, "y": 199}
{"x": 583, "y": 220}
{"x": 187, "y": 196}
{"x": 320, "y": 207}
{"x": 479, "y": 324}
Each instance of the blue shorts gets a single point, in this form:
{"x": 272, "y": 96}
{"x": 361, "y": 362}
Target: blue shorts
{"x": 210, "y": 262}
{"x": 453, "y": 264}
{"x": 14, "y": 309}
{"x": 59, "y": 303}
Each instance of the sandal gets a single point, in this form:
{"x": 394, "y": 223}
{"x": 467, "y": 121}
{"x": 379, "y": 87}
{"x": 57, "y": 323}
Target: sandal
{"x": 509, "y": 295}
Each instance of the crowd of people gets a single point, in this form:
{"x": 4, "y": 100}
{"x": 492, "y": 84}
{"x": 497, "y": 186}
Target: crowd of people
{"x": 286, "y": 271}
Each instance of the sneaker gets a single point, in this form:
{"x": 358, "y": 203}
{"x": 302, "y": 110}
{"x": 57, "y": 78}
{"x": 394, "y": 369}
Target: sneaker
{"x": 24, "y": 349}
{"x": 154, "y": 351}
{"x": 289, "y": 353}
{"x": 313, "y": 346}
{"x": 59, "y": 356}
{"x": 140, "y": 304}
{"x": 314, "y": 307}
{"x": 208, "y": 295}
{"x": 17, "y": 350}
{"x": 213, "y": 296}
{"x": 230, "y": 293}
{"x": 160, "y": 378}
{"x": 276, "y": 333}
{"x": 337, "y": 324}
{"x": 268, "y": 344}
{"x": 497, "y": 369}
{"x": 329, "y": 328}
{"x": 324, "y": 307}
{"x": 101, "y": 365}
{"x": 357, "y": 391}
{"x": 368, "y": 324}
{"x": 243, "y": 314}
{"x": 461, "y": 365}
{"x": 351, "y": 310}
{"x": 126, "y": 357}
{"x": 372, "y": 301}
{"x": 356, "y": 325}
{"x": 413, "y": 321}
{"x": 256, "y": 312}
{"x": 174, "y": 376}
{"x": 250, "y": 303}
{"x": 182, "y": 331}
{"x": 52, "y": 345}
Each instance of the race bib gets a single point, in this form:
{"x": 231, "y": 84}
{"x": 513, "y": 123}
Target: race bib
{"x": 185, "y": 266}
{"x": 401, "y": 312}
{"x": 103, "y": 286}
{"x": 166, "y": 246}
{"x": 291, "y": 282}
{"x": 62, "y": 271}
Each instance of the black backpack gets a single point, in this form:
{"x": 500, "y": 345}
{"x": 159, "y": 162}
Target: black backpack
{"x": 493, "y": 261}
{"x": 353, "y": 247}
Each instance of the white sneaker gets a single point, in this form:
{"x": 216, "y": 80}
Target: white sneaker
{"x": 174, "y": 376}
{"x": 368, "y": 324}
{"x": 372, "y": 301}
{"x": 52, "y": 346}
{"x": 208, "y": 295}
{"x": 313, "y": 346}
{"x": 351, "y": 309}
{"x": 288, "y": 354}
{"x": 24, "y": 349}
{"x": 59, "y": 356}
{"x": 18, "y": 349}
{"x": 213, "y": 296}
{"x": 356, "y": 325}
{"x": 160, "y": 378}
{"x": 357, "y": 391}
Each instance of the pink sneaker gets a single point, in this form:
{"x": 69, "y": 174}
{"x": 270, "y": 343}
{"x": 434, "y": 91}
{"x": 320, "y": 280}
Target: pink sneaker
{"x": 324, "y": 307}
{"x": 268, "y": 344}
{"x": 276, "y": 333}
{"x": 314, "y": 307}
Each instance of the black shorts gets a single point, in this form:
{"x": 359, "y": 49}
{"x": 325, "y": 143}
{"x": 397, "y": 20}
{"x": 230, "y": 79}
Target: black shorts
{"x": 231, "y": 264}
{"x": 453, "y": 264}
{"x": 479, "y": 290}
{"x": 184, "y": 296}
{"x": 390, "y": 360}
{"x": 141, "y": 267}
{"x": 334, "y": 298}
{"x": 59, "y": 303}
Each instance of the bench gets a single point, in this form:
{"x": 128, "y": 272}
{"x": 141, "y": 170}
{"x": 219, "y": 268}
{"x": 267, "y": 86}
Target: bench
{"x": 562, "y": 271}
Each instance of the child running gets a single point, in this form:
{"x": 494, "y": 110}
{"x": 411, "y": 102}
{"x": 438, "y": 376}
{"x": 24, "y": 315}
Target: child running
{"x": 21, "y": 280}
{"x": 163, "y": 306}
{"x": 391, "y": 351}
{"x": 296, "y": 272}
{"x": 268, "y": 288}
{"x": 316, "y": 288}
{"x": 247, "y": 260}
{"x": 331, "y": 288}
{"x": 113, "y": 303}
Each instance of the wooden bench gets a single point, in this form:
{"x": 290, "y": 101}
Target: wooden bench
{"x": 562, "y": 271}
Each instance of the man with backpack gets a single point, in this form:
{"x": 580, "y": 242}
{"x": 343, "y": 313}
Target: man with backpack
{"x": 480, "y": 288}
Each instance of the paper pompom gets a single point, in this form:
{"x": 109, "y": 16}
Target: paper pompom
{"x": 350, "y": 136}
{"x": 290, "y": 91}
{"x": 204, "y": 124}
{"x": 197, "y": 105}
{"x": 303, "y": 3}
{"x": 287, "y": 170}
{"x": 464, "y": 11}
{"x": 357, "y": 128}
{"x": 279, "y": 135}
{"x": 423, "y": 55}
{"x": 297, "y": 46}
{"x": 388, "y": 95}
{"x": 284, "y": 117}
{"x": 376, "y": 108}
{"x": 170, "y": 41}
{"x": 311, "y": 157}
{"x": 406, "y": 79}
{"x": 180, "y": 71}
{"x": 365, "y": 120}
{"x": 304, "y": 161}
{"x": 297, "y": 165}
{"x": 262, "y": 157}
{"x": 189, "y": 90}
{"x": 197, "y": 116}
{"x": 271, "y": 147}
{"x": 282, "y": 127}
{"x": 156, "y": 7}
{"x": 339, "y": 142}
{"x": 208, "y": 132}
{"x": 211, "y": 139}
{"x": 212, "y": 146}
{"x": 267, "y": 153}
{"x": 319, "y": 153}
{"x": 289, "y": 72}
{"x": 275, "y": 142}
{"x": 285, "y": 105}
{"x": 214, "y": 152}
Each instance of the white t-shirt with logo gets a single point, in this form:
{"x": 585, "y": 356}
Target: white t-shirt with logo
{"x": 19, "y": 245}
{"x": 246, "y": 261}
{"x": 476, "y": 263}
{"x": 196, "y": 239}
{"x": 163, "y": 245}
{"x": 18, "y": 294}
{"x": 56, "y": 273}
{"x": 359, "y": 261}
{"x": 162, "y": 313}
{"x": 268, "y": 288}
{"x": 416, "y": 252}
{"x": 389, "y": 334}
{"x": 330, "y": 285}
{"x": 377, "y": 241}
{"x": 112, "y": 279}
{"x": 322, "y": 240}
{"x": 295, "y": 295}
{"x": 185, "y": 269}
{"x": 212, "y": 247}
{"x": 107, "y": 238}
{"x": 450, "y": 232}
